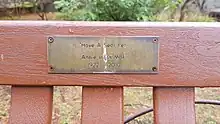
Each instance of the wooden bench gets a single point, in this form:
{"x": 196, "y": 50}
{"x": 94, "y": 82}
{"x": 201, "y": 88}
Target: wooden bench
{"x": 189, "y": 57}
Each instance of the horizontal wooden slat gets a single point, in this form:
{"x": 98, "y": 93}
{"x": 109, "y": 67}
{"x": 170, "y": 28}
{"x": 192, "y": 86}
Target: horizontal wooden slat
{"x": 189, "y": 53}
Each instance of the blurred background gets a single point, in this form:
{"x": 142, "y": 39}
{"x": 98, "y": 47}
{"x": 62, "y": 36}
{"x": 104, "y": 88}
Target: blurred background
{"x": 67, "y": 100}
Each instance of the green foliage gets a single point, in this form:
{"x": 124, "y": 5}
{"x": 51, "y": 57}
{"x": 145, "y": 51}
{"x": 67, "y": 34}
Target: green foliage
{"x": 111, "y": 10}
{"x": 171, "y": 5}
{"x": 28, "y": 4}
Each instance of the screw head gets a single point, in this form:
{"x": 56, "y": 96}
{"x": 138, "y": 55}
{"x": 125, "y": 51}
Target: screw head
{"x": 50, "y": 40}
{"x": 51, "y": 68}
{"x": 155, "y": 40}
{"x": 154, "y": 68}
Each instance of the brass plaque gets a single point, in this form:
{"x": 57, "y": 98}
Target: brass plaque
{"x": 103, "y": 54}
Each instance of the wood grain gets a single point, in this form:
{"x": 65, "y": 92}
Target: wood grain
{"x": 102, "y": 105}
{"x": 31, "y": 105}
{"x": 189, "y": 53}
{"x": 174, "y": 106}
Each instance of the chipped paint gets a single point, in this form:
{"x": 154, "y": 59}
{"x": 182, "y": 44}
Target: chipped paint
{"x": 2, "y": 57}
{"x": 105, "y": 59}
{"x": 71, "y": 31}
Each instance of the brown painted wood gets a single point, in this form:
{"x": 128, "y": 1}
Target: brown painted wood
{"x": 189, "y": 53}
{"x": 31, "y": 105}
{"x": 102, "y": 105}
{"x": 174, "y": 106}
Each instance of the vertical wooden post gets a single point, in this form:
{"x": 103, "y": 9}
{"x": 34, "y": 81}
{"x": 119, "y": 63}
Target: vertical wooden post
{"x": 174, "y": 105}
{"x": 102, "y": 105}
{"x": 31, "y": 105}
